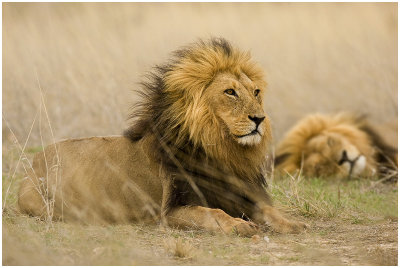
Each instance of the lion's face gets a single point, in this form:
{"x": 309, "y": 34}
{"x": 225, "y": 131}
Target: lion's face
{"x": 237, "y": 103}
{"x": 334, "y": 154}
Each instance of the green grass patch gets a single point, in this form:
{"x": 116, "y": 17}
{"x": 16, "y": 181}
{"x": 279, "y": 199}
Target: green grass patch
{"x": 357, "y": 200}
{"x": 33, "y": 150}
{"x": 10, "y": 190}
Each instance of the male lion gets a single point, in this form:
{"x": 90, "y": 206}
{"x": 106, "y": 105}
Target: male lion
{"x": 341, "y": 145}
{"x": 194, "y": 156}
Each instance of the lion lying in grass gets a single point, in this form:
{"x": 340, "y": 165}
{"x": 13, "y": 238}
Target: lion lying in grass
{"x": 194, "y": 156}
{"x": 341, "y": 145}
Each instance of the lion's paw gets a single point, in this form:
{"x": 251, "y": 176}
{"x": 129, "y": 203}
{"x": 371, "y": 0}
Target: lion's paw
{"x": 291, "y": 227}
{"x": 243, "y": 228}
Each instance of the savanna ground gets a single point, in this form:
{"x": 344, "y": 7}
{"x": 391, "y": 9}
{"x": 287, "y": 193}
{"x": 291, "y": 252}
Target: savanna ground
{"x": 351, "y": 223}
{"x": 68, "y": 71}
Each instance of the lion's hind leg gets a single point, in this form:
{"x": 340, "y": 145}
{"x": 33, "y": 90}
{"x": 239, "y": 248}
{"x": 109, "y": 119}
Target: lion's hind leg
{"x": 30, "y": 197}
{"x": 210, "y": 219}
{"x": 36, "y": 196}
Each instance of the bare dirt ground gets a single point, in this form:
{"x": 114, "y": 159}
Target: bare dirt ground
{"x": 330, "y": 242}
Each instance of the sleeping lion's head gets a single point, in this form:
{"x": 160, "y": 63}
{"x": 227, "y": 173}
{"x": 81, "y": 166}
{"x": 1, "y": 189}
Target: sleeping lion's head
{"x": 208, "y": 99}
{"x": 341, "y": 145}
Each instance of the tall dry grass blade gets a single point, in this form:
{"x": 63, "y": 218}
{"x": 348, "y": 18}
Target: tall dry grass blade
{"x": 21, "y": 156}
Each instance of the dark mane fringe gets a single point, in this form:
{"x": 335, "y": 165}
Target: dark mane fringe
{"x": 148, "y": 111}
{"x": 386, "y": 155}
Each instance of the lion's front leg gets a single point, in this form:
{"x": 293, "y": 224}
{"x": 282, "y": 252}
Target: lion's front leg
{"x": 273, "y": 218}
{"x": 209, "y": 219}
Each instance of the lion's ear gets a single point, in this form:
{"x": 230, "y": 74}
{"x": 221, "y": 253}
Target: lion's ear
{"x": 279, "y": 159}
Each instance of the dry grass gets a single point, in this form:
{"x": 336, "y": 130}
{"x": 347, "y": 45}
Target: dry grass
{"x": 74, "y": 65}
{"x": 179, "y": 248}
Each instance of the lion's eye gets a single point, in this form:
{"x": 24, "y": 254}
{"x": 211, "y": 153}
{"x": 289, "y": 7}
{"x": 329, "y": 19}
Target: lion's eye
{"x": 256, "y": 92}
{"x": 331, "y": 141}
{"x": 230, "y": 91}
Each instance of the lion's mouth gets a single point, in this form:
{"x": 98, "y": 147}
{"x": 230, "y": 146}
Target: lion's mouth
{"x": 254, "y": 132}
{"x": 252, "y": 138}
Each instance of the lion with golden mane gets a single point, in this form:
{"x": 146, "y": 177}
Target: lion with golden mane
{"x": 194, "y": 156}
{"x": 341, "y": 145}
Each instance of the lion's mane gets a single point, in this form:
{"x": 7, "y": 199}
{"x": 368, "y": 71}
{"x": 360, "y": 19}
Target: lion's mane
{"x": 172, "y": 108}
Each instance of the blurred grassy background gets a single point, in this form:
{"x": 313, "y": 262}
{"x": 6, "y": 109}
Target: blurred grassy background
{"x": 89, "y": 57}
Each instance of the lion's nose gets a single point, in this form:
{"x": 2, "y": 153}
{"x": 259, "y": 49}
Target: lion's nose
{"x": 257, "y": 119}
{"x": 344, "y": 158}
